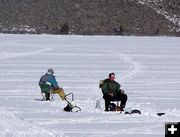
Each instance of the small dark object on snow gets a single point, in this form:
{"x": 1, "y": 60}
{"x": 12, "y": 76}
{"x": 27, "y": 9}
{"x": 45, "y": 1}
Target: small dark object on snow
{"x": 127, "y": 113}
{"x": 68, "y": 108}
{"x": 160, "y": 114}
{"x": 135, "y": 111}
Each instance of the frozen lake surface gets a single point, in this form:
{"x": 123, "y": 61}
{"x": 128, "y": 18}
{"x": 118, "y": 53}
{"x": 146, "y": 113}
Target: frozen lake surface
{"x": 148, "y": 69}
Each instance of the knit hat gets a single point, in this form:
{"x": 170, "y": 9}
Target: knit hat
{"x": 50, "y": 71}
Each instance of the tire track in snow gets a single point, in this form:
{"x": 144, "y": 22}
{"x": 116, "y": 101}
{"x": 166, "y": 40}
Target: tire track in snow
{"x": 7, "y": 55}
{"x": 134, "y": 67}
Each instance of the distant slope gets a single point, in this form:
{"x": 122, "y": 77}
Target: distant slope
{"x": 137, "y": 17}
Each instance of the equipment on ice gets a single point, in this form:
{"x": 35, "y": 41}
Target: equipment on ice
{"x": 114, "y": 107}
{"x": 161, "y": 113}
{"x": 132, "y": 111}
{"x": 98, "y": 104}
{"x": 71, "y": 106}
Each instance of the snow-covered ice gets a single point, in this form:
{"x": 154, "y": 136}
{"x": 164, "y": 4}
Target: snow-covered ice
{"x": 148, "y": 69}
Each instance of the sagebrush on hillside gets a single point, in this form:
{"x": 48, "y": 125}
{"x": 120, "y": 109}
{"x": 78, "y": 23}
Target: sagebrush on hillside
{"x": 89, "y": 17}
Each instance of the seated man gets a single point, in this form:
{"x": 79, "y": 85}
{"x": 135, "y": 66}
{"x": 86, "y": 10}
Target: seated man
{"x": 112, "y": 92}
{"x": 49, "y": 79}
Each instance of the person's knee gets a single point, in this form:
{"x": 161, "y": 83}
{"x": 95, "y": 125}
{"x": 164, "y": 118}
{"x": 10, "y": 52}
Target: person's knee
{"x": 106, "y": 97}
{"x": 125, "y": 97}
{"x": 58, "y": 90}
{"x": 61, "y": 89}
{"x": 122, "y": 97}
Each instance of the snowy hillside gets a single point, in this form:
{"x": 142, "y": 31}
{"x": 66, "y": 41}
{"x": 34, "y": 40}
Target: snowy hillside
{"x": 148, "y": 69}
{"x": 169, "y": 9}
{"x": 91, "y": 17}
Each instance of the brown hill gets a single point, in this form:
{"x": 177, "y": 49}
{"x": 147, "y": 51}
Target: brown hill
{"x": 102, "y": 17}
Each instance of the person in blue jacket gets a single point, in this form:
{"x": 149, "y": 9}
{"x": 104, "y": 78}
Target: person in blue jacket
{"x": 51, "y": 80}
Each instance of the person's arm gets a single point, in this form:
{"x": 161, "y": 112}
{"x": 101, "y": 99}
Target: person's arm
{"x": 43, "y": 79}
{"x": 54, "y": 83}
{"x": 105, "y": 89}
{"x": 118, "y": 86}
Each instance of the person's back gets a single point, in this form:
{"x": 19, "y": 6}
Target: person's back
{"x": 49, "y": 78}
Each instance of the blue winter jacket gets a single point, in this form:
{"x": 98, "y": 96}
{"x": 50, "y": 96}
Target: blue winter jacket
{"x": 49, "y": 78}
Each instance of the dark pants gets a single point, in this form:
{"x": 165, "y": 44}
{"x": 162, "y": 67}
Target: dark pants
{"x": 119, "y": 97}
{"x": 47, "y": 95}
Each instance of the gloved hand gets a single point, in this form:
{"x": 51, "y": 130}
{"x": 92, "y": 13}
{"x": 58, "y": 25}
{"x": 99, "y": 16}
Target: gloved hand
{"x": 111, "y": 94}
{"x": 122, "y": 91}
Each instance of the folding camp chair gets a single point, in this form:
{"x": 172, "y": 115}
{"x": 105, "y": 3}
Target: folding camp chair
{"x": 115, "y": 103}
